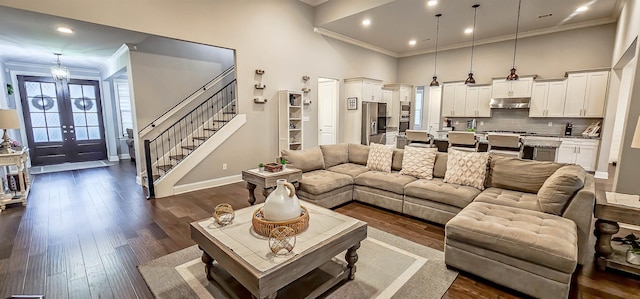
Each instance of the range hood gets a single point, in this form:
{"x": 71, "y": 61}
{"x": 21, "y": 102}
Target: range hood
{"x": 510, "y": 103}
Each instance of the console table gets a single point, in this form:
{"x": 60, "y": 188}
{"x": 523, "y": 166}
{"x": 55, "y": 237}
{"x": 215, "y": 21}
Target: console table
{"x": 19, "y": 160}
{"x": 610, "y": 209}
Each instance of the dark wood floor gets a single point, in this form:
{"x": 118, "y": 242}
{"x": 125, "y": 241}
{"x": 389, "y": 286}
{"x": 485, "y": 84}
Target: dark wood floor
{"x": 84, "y": 232}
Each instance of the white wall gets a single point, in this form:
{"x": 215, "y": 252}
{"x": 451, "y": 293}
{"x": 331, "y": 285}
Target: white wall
{"x": 621, "y": 110}
{"x": 548, "y": 56}
{"x": 276, "y": 36}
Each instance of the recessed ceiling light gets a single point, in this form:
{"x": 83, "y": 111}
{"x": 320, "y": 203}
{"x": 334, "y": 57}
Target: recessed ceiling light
{"x": 582, "y": 8}
{"x": 468, "y": 30}
{"x": 432, "y": 2}
{"x": 65, "y": 30}
{"x": 366, "y": 22}
{"x": 412, "y": 42}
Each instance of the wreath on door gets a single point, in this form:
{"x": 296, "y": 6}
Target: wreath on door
{"x": 42, "y": 102}
{"x": 83, "y": 104}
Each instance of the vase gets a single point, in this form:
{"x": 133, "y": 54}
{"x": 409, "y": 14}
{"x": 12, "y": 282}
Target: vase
{"x": 633, "y": 257}
{"x": 282, "y": 204}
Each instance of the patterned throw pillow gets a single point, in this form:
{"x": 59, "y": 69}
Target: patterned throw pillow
{"x": 466, "y": 168}
{"x": 418, "y": 162}
{"x": 380, "y": 157}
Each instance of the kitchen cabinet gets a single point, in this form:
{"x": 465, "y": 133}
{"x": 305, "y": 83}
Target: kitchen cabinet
{"x": 399, "y": 93}
{"x": 387, "y": 97}
{"x": 586, "y": 94}
{"x": 548, "y": 99}
{"x": 291, "y": 120}
{"x": 521, "y": 88}
{"x": 477, "y": 101}
{"x": 454, "y": 100}
{"x": 582, "y": 152}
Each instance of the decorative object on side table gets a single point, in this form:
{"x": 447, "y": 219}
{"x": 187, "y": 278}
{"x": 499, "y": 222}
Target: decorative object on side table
{"x": 273, "y": 167}
{"x": 282, "y": 238}
{"x": 223, "y": 214}
{"x": 8, "y": 120}
{"x": 283, "y": 161}
{"x": 260, "y": 167}
{"x": 633, "y": 253}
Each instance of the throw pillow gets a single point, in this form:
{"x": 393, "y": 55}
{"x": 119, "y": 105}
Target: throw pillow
{"x": 380, "y": 157}
{"x": 358, "y": 153}
{"x": 418, "y": 162}
{"x": 466, "y": 168}
{"x": 556, "y": 191}
{"x": 335, "y": 154}
{"x": 305, "y": 160}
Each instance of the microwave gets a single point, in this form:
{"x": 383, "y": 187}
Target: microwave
{"x": 405, "y": 106}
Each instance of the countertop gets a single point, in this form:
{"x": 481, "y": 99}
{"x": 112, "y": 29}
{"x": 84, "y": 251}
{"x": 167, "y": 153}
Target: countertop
{"x": 537, "y": 140}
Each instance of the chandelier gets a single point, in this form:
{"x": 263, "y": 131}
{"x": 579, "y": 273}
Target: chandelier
{"x": 58, "y": 71}
{"x": 512, "y": 74}
{"x": 435, "y": 59}
{"x": 470, "y": 79}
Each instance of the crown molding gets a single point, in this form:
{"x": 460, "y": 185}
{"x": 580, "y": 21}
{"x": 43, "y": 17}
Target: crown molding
{"x": 603, "y": 21}
{"x": 314, "y": 2}
{"x": 354, "y": 41}
{"x": 122, "y": 50}
{"x": 23, "y": 64}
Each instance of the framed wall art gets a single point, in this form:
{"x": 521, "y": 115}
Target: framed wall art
{"x": 352, "y": 103}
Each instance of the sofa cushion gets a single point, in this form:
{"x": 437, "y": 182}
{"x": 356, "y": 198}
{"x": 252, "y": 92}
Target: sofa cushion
{"x": 389, "y": 181}
{"x": 418, "y": 162}
{"x": 322, "y": 181}
{"x": 440, "y": 166}
{"x": 380, "y": 156}
{"x": 439, "y": 191}
{"x": 466, "y": 168}
{"x": 517, "y": 174}
{"x": 397, "y": 158}
{"x": 536, "y": 237}
{"x": 558, "y": 189}
{"x": 358, "y": 153}
{"x": 509, "y": 198}
{"x": 351, "y": 169}
{"x": 305, "y": 160}
{"x": 335, "y": 154}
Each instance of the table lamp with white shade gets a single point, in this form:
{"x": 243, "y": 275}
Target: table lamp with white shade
{"x": 635, "y": 143}
{"x": 8, "y": 120}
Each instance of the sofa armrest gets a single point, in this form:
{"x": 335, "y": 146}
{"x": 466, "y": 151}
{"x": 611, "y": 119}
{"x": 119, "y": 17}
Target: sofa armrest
{"x": 580, "y": 210}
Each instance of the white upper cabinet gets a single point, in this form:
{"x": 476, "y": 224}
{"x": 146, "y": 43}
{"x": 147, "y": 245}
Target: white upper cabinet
{"x": 460, "y": 100}
{"x": 586, "y": 94}
{"x": 512, "y": 89}
{"x": 548, "y": 99}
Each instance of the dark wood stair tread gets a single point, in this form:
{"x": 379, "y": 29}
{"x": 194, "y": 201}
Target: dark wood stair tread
{"x": 177, "y": 157}
{"x": 228, "y": 112}
{"x": 220, "y": 121}
{"x": 189, "y": 147}
{"x": 200, "y": 138}
{"x": 164, "y": 167}
{"x": 210, "y": 129}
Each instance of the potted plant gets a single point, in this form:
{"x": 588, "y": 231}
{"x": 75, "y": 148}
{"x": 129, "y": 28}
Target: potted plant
{"x": 283, "y": 161}
{"x": 633, "y": 253}
{"x": 261, "y": 167}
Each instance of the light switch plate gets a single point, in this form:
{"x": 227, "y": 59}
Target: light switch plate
{"x": 305, "y": 118}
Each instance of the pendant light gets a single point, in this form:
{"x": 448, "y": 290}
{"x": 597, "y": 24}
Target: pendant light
{"x": 512, "y": 75}
{"x": 435, "y": 59}
{"x": 58, "y": 72}
{"x": 470, "y": 79}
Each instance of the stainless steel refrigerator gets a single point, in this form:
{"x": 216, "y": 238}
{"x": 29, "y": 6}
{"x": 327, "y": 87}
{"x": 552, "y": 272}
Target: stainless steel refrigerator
{"x": 374, "y": 122}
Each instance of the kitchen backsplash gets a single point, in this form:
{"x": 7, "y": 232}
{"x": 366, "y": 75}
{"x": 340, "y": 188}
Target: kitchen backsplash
{"x": 519, "y": 120}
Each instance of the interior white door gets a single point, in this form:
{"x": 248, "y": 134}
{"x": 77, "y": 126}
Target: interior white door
{"x": 327, "y": 110}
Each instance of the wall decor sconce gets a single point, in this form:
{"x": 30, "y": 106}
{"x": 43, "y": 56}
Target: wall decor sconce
{"x": 260, "y": 72}
{"x": 306, "y": 90}
{"x": 306, "y": 102}
{"x": 305, "y": 78}
{"x": 260, "y": 86}
{"x": 259, "y": 100}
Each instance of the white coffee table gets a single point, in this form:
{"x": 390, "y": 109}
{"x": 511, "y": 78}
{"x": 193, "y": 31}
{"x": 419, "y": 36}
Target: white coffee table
{"x": 245, "y": 265}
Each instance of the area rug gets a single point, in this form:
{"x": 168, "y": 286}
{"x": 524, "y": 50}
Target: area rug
{"x": 388, "y": 267}
{"x": 68, "y": 166}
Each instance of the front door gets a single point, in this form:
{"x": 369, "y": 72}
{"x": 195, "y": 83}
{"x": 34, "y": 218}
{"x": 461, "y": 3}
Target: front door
{"x": 63, "y": 120}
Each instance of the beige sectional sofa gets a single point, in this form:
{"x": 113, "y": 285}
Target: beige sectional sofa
{"x": 506, "y": 226}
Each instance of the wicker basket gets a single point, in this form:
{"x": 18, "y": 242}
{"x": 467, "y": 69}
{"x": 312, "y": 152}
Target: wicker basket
{"x": 264, "y": 227}
{"x": 273, "y": 167}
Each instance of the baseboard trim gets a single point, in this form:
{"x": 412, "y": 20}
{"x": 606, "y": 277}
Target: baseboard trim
{"x": 124, "y": 156}
{"x": 601, "y": 175}
{"x": 184, "y": 188}
{"x": 114, "y": 158}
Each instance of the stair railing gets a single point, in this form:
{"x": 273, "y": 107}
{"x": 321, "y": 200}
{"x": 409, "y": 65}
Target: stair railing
{"x": 175, "y": 143}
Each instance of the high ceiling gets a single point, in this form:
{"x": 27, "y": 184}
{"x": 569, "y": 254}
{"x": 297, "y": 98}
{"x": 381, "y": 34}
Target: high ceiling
{"x": 397, "y": 22}
{"x": 32, "y": 38}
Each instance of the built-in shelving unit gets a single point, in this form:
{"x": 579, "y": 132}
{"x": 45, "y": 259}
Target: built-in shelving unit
{"x": 291, "y": 119}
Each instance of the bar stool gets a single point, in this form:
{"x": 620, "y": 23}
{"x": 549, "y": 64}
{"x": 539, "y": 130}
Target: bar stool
{"x": 419, "y": 138}
{"x": 464, "y": 141}
{"x": 505, "y": 144}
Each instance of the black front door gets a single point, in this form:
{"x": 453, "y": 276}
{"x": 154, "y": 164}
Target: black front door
{"x": 63, "y": 120}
